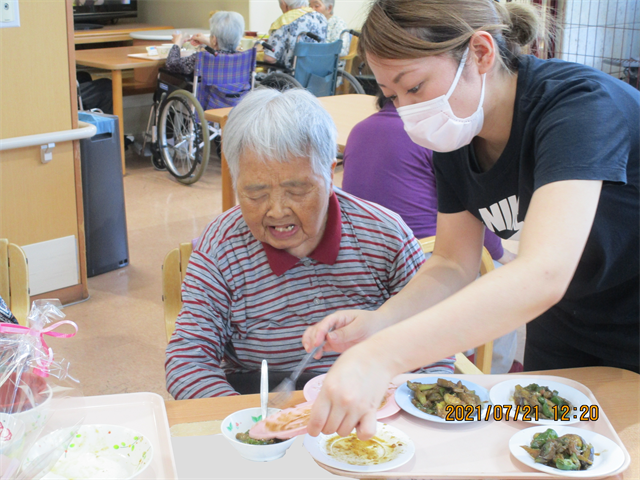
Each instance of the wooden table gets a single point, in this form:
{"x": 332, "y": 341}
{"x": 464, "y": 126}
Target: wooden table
{"x": 112, "y": 33}
{"x": 617, "y": 391}
{"x": 346, "y": 111}
{"x": 116, "y": 59}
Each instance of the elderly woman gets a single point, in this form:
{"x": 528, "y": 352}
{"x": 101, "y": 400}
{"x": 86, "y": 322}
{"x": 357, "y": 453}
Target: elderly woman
{"x": 293, "y": 251}
{"x": 297, "y": 17}
{"x": 335, "y": 24}
{"x": 226, "y": 29}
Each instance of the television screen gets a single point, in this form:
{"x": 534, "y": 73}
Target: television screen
{"x": 103, "y": 10}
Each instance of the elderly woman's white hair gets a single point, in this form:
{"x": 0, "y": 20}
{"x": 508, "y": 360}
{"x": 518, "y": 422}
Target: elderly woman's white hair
{"x": 279, "y": 126}
{"x": 295, "y": 3}
{"x": 228, "y": 28}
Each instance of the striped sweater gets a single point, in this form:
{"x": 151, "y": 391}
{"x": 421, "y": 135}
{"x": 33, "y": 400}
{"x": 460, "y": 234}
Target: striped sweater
{"x": 244, "y": 301}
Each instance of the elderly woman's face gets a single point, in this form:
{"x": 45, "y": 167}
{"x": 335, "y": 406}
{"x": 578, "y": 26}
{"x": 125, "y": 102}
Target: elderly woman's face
{"x": 284, "y": 204}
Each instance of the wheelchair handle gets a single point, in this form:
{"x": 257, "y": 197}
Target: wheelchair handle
{"x": 355, "y": 33}
{"x": 313, "y": 36}
{"x": 267, "y": 46}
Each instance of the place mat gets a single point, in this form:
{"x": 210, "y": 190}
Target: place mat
{"x": 213, "y": 456}
{"x": 480, "y": 449}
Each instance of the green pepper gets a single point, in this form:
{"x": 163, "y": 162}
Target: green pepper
{"x": 571, "y": 463}
{"x": 557, "y": 400}
{"x": 546, "y": 410}
{"x": 539, "y": 439}
{"x": 533, "y": 387}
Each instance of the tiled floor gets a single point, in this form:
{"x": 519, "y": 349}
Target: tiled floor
{"x": 120, "y": 344}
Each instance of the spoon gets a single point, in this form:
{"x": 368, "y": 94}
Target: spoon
{"x": 264, "y": 389}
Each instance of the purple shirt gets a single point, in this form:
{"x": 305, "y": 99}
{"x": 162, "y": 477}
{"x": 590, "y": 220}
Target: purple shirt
{"x": 383, "y": 165}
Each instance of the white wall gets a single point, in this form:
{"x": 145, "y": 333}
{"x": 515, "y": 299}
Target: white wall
{"x": 263, "y": 12}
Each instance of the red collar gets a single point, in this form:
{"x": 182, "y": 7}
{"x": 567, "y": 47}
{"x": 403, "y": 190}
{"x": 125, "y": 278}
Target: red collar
{"x": 327, "y": 250}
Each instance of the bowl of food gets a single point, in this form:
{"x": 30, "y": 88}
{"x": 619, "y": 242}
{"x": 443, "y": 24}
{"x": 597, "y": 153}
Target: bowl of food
{"x": 163, "y": 49}
{"x": 28, "y": 399}
{"x": 94, "y": 451}
{"x": 235, "y": 428}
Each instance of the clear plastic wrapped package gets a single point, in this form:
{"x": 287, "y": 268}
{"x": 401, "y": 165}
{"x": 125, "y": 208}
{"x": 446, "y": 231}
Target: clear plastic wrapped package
{"x": 39, "y": 399}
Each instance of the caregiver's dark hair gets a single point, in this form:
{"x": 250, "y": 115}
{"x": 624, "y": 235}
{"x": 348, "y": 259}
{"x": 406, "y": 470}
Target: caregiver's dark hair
{"x": 407, "y": 29}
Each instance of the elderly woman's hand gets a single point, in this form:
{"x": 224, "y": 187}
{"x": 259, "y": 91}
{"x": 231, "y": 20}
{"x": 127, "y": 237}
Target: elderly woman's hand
{"x": 178, "y": 39}
{"x": 351, "y": 393}
{"x": 341, "y": 330}
{"x": 199, "y": 39}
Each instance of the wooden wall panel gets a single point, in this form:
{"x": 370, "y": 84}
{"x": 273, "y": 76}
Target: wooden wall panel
{"x": 34, "y": 71}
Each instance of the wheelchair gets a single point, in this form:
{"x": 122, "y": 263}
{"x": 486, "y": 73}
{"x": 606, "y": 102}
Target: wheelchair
{"x": 315, "y": 68}
{"x": 177, "y": 133}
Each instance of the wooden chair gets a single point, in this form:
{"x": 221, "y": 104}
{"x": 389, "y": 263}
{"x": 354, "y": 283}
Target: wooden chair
{"x": 353, "y": 53}
{"x": 14, "y": 279}
{"x": 483, "y": 352}
{"x": 174, "y": 268}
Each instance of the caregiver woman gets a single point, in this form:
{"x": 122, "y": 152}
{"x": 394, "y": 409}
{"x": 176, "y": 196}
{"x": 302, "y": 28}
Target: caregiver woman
{"x": 547, "y": 149}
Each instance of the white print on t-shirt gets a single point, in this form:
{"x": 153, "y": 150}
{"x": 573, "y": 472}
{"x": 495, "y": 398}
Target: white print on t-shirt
{"x": 502, "y": 215}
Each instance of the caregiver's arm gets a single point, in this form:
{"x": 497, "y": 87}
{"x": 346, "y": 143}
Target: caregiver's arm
{"x": 455, "y": 263}
{"x": 556, "y": 229}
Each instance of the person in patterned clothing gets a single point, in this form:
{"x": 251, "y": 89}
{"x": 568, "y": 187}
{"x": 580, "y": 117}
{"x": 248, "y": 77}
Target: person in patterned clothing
{"x": 294, "y": 250}
{"x": 226, "y": 29}
{"x": 297, "y": 17}
{"x": 335, "y": 25}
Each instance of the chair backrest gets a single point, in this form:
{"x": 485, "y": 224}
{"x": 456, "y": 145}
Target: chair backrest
{"x": 14, "y": 279}
{"x": 353, "y": 53}
{"x": 174, "y": 268}
{"x": 316, "y": 66}
{"x": 483, "y": 352}
{"x": 224, "y": 78}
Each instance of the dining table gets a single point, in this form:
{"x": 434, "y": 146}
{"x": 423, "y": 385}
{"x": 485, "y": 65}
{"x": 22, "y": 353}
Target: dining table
{"x": 617, "y": 392}
{"x": 117, "y": 59}
{"x": 346, "y": 110}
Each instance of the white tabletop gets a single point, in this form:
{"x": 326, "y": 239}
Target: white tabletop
{"x": 165, "y": 35}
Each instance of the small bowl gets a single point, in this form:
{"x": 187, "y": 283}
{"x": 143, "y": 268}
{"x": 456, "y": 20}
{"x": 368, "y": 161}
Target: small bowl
{"x": 240, "y": 422}
{"x": 164, "y": 49}
{"x": 11, "y": 434}
{"x": 96, "y": 451}
{"x": 33, "y": 409}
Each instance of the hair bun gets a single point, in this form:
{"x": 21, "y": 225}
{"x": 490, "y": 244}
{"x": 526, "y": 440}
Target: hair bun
{"x": 524, "y": 22}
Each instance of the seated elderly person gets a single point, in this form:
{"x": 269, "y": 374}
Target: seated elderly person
{"x": 293, "y": 251}
{"x": 297, "y": 17}
{"x": 226, "y": 30}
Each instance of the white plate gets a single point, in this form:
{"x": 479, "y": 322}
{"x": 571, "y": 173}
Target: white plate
{"x": 94, "y": 451}
{"x": 608, "y": 458}
{"x": 320, "y": 448}
{"x": 312, "y": 390}
{"x": 502, "y": 394}
{"x": 404, "y": 395}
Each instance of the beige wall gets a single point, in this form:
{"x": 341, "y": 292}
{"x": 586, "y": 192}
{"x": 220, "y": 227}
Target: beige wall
{"x": 37, "y": 201}
{"x": 258, "y": 14}
{"x": 187, "y": 13}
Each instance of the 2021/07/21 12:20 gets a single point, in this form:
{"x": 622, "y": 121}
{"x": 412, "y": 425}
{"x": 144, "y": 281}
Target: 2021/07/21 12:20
{"x": 529, "y": 413}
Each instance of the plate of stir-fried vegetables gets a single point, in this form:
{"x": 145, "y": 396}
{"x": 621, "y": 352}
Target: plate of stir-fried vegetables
{"x": 567, "y": 451}
{"x": 553, "y": 402}
{"x": 443, "y": 399}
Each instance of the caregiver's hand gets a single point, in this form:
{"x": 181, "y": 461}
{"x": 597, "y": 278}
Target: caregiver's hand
{"x": 346, "y": 327}
{"x": 351, "y": 394}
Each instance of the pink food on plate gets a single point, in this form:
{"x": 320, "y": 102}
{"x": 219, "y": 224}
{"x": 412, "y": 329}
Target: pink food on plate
{"x": 284, "y": 424}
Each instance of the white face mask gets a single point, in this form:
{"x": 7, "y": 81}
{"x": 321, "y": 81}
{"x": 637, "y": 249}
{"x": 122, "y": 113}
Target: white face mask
{"x": 433, "y": 125}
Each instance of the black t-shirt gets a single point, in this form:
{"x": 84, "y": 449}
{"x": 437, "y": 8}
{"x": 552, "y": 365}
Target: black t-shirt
{"x": 570, "y": 122}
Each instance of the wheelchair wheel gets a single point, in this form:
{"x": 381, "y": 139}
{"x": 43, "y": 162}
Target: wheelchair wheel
{"x": 280, "y": 81}
{"x": 183, "y": 137}
{"x": 349, "y": 84}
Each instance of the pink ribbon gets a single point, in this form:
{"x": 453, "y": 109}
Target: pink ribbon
{"x": 44, "y": 364}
